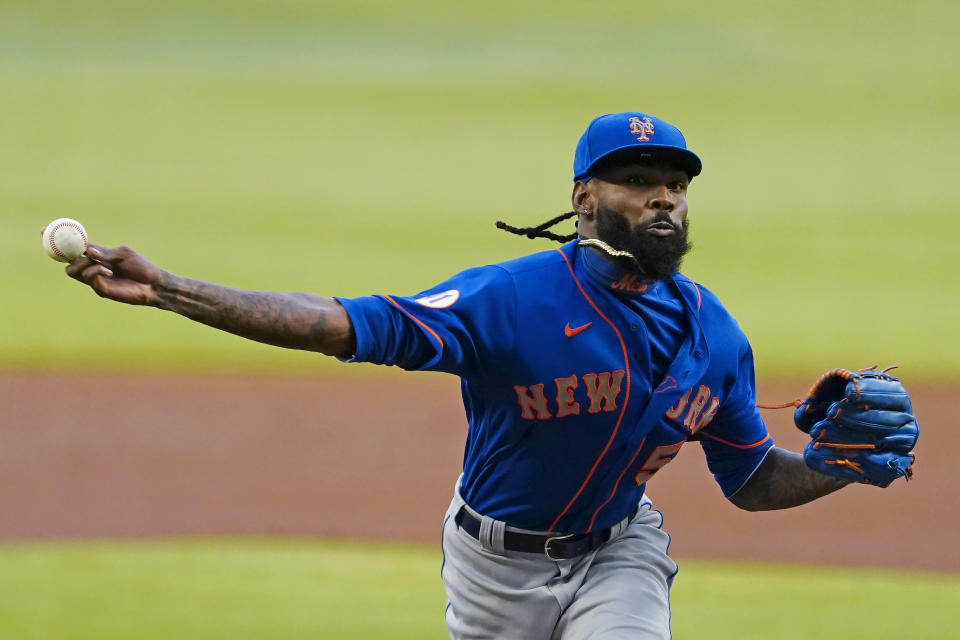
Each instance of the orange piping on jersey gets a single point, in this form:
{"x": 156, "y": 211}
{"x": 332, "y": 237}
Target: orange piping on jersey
{"x": 695, "y": 287}
{"x": 738, "y": 446}
{"x": 623, "y": 409}
{"x": 415, "y": 319}
{"x": 616, "y": 484}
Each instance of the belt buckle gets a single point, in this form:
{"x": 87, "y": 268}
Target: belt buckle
{"x": 546, "y": 545}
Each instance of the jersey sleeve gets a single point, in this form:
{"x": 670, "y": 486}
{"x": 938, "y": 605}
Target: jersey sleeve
{"x": 460, "y": 326}
{"x": 736, "y": 440}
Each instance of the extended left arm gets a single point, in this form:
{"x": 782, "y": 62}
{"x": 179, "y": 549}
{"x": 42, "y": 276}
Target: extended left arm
{"x": 784, "y": 480}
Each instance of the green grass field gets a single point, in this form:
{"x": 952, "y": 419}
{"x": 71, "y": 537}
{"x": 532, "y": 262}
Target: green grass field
{"x": 338, "y": 591}
{"x": 355, "y": 147}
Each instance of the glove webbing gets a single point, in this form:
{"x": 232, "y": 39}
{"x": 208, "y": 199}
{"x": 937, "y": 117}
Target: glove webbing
{"x": 832, "y": 372}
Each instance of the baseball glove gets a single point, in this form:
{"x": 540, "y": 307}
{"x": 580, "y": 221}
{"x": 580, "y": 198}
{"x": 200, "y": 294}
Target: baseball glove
{"x": 862, "y": 426}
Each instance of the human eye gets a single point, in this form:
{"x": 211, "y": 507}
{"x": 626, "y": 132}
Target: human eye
{"x": 678, "y": 186}
{"x": 634, "y": 179}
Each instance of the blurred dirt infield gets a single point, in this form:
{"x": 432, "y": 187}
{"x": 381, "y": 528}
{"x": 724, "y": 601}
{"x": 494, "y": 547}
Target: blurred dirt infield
{"x": 375, "y": 457}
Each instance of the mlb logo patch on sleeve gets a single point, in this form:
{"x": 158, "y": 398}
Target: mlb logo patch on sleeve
{"x": 440, "y": 300}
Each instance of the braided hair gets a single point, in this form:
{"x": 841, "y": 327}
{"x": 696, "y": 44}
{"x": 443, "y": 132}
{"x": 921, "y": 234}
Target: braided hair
{"x": 540, "y": 231}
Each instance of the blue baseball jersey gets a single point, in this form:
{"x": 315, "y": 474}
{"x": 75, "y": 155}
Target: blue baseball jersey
{"x": 579, "y": 381}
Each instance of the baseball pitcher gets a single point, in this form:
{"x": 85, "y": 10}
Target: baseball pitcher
{"x": 585, "y": 369}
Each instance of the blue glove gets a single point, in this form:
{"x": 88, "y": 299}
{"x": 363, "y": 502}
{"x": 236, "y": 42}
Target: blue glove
{"x": 862, "y": 427}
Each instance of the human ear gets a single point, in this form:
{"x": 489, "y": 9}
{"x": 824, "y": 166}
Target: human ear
{"x": 583, "y": 200}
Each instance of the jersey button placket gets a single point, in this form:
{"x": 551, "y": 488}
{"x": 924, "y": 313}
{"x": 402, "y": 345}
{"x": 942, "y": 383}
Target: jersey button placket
{"x": 640, "y": 340}
{"x": 641, "y": 355}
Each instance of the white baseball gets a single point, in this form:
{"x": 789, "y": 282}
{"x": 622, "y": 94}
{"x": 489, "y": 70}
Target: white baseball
{"x": 64, "y": 239}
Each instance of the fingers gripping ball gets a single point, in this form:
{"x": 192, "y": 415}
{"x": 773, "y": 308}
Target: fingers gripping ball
{"x": 862, "y": 427}
{"x": 64, "y": 239}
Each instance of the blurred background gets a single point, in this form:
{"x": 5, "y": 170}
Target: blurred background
{"x": 158, "y": 478}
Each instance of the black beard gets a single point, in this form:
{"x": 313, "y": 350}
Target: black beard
{"x": 657, "y": 258}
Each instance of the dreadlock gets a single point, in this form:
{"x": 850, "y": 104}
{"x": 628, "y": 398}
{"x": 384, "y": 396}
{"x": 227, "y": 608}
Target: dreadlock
{"x": 540, "y": 231}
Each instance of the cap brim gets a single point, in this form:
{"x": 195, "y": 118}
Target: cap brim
{"x": 682, "y": 158}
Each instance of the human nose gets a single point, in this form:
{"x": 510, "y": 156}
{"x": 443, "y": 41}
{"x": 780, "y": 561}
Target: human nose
{"x": 662, "y": 199}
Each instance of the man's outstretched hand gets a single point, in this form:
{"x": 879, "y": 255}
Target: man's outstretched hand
{"x": 291, "y": 320}
{"x": 119, "y": 274}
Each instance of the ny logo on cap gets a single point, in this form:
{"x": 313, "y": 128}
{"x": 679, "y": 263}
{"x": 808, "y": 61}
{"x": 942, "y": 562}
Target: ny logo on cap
{"x": 641, "y": 128}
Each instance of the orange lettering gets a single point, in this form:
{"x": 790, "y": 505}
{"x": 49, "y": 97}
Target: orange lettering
{"x": 532, "y": 401}
{"x": 566, "y": 405}
{"x": 601, "y": 390}
{"x": 629, "y": 282}
{"x": 675, "y": 411}
{"x": 708, "y": 415}
{"x": 699, "y": 401}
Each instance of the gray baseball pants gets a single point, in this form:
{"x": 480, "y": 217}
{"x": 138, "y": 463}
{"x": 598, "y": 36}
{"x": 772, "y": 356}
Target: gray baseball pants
{"x": 620, "y": 590}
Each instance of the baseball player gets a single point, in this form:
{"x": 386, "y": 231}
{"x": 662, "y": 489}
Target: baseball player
{"x": 584, "y": 371}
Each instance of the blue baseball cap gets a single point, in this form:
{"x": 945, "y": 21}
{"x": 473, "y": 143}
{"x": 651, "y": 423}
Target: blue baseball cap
{"x": 634, "y": 135}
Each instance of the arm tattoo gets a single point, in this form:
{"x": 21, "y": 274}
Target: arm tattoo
{"x": 784, "y": 480}
{"x": 292, "y": 320}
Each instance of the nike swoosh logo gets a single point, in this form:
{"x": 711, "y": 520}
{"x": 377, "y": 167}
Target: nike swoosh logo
{"x": 567, "y": 331}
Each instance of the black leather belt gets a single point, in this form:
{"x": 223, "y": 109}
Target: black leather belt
{"x": 565, "y": 547}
